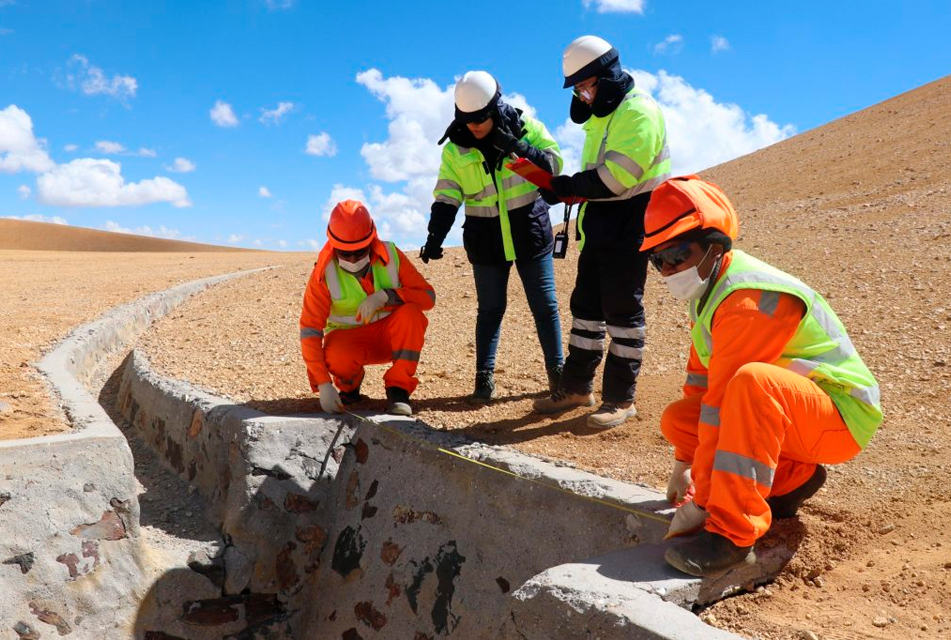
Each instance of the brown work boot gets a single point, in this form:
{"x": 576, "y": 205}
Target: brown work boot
{"x": 707, "y": 554}
{"x": 787, "y": 505}
{"x": 611, "y": 414}
{"x": 561, "y": 401}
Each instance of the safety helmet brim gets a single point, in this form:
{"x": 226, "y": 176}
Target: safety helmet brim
{"x": 683, "y": 204}
{"x": 593, "y": 68}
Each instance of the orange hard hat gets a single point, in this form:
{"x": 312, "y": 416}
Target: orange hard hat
{"x": 351, "y": 226}
{"x": 685, "y": 204}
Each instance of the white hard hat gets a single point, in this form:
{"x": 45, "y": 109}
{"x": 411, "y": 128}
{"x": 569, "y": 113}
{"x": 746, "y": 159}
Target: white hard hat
{"x": 476, "y": 91}
{"x": 584, "y": 57}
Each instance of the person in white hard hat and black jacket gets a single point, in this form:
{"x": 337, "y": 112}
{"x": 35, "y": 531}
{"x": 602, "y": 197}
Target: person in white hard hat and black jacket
{"x": 624, "y": 157}
{"x": 506, "y": 219}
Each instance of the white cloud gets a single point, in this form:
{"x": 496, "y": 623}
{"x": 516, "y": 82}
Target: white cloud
{"x": 39, "y": 218}
{"x": 719, "y": 43}
{"x": 671, "y": 44}
{"x": 419, "y": 111}
{"x": 181, "y": 165}
{"x": 278, "y": 5}
{"x": 92, "y": 81}
{"x": 703, "y": 132}
{"x": 161, "y": 232}
{"x": 109, "y": 147}
{"x": 257, "y": 242}
{"x": 321, "y": 145}
{"x": 20, "y": 150}
{"x": 89, "y": 182}
{"x": 615, "y": 6}
{"x": 70, "y": 148}
{"x": 282, "y": 244}
{"x": 223, "y": 115}
{"x": 276, "y": 115}
{"x": 114, "y": 148}
{"x": 264, "y": 192}
{"x": 519, "y": 101}
{"x": 234, "y": 238}
{"x": 3, "y": 31}
{"x": 24, "y": 191}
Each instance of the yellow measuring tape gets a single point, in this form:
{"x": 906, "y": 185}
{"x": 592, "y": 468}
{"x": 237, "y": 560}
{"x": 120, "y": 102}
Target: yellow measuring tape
{"x": 456, "y": 454}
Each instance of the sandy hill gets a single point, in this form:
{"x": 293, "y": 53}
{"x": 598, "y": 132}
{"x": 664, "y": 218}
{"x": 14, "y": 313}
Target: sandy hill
{"x": 42, "y": 236}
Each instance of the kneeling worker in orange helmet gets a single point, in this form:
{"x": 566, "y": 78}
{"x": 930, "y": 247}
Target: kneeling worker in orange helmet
{"x": 363, "y": 305}
{"x": 774, "y": 386}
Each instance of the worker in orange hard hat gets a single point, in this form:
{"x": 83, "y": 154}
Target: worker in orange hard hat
{"x": 363, "y": 305}
{"x": 774, "y": 386}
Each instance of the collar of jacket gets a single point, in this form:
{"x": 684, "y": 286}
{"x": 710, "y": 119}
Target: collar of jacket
{"x": 510, "y": 119}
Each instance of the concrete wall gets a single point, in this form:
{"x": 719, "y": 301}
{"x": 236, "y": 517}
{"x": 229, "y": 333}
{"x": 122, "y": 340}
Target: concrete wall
{"x": 70, "y": 559}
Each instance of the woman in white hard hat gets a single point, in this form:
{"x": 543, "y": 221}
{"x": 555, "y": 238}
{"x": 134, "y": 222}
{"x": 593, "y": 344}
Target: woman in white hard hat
{"x": 506, "y": 219}
{"x": 624, "y": 157}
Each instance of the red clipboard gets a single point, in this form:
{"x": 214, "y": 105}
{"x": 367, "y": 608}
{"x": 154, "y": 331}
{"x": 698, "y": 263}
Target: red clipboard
{"x": 537, "y": 176}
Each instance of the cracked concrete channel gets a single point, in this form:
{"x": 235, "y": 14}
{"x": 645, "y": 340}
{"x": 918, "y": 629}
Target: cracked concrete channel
{"x": 169, "y": 513}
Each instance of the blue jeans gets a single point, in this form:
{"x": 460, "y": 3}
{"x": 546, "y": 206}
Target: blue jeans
{"x": 538, "y": 280}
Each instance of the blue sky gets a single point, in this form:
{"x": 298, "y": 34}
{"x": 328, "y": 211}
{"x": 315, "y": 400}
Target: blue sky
{"x": 108, "y": 114}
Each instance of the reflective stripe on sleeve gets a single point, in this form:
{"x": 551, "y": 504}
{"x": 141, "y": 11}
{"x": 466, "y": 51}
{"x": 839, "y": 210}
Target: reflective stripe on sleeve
{"x": 308, "y": 332}
{"x": 743, "y": 466}
{"x": 710, "y": 415}
{"x": 768, "y": 302}
{"x": 696, "y": 380}
{"x": 625, "y": 163}
{"x": 446, "y": 199}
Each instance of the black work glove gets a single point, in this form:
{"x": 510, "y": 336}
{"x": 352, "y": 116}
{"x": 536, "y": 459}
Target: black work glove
{"x": 561, "y": 186}
{"x": 504, "y": 141}
{"x": 549, "y": 196}
{"x": 432, "y": 250}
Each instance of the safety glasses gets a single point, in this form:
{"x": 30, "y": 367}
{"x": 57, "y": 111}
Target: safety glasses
{"x": 352, "y": 256}
{"x": 578, "y": 89}
{"x": 672, "y": 256}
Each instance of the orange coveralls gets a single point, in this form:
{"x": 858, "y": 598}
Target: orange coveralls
{"x": 343, "y": 353}
{"x": 780, "y": 420}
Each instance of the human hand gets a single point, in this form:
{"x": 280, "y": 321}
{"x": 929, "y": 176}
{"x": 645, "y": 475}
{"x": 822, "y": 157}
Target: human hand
{"x": 688, "y": 519}
{"x": 370, "y": 305}
{"x": 329, "y": 398}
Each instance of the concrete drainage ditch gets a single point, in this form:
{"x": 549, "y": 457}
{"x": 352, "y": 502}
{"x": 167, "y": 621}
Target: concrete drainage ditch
{"x": 361, "y": 527}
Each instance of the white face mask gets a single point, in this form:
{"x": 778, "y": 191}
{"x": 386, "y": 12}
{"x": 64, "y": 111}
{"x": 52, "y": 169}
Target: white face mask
{"x": 687, "y": 285}
{"x": 354, "y": 267}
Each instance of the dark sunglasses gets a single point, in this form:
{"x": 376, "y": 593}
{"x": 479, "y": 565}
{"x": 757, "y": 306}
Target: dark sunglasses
{"x": 353, "y": 256}
{"x": 672, "y": 256}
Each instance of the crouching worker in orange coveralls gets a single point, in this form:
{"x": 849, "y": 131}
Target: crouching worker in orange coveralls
{"x": 363, "y": 305}
{"x": 774, "y": 386}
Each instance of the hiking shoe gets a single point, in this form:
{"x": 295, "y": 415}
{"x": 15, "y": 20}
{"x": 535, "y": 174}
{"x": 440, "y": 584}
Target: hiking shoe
{"x": 562, "y": 400}
{"x": 398, "y": 399}
{"x": 350, "y": 397}
{"x": 554, "y": 378}
{"x": 611, "y": 414}
{"x": 484, "y": 387}
{"x": 707, "y": 554}
{"x": 786, "y": 506}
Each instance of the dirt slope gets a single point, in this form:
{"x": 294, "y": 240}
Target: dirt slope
{"x": 41, "y": 236}
{"x": 861, "y": 210}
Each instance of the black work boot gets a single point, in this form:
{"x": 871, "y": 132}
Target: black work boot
{"x": 398, "y": 399}
{"x": 786, "y": 506}
{"x": 707, "y": 554}
{"x": 484, "y": 387}
{"x": 350, "y": 397}
{"x": 554, "y": 377}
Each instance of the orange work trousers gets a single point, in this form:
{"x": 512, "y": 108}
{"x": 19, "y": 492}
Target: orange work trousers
{"x": 397, "y": 338}
{"x": 775, "y": 426}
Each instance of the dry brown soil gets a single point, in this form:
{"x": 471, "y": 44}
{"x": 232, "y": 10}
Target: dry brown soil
{"x": 45, "y": 294}
{"x": 860, "y": 209}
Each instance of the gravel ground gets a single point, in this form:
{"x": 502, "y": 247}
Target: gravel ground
{"x": 861, "y": 210}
